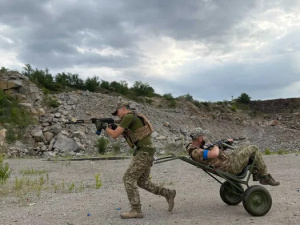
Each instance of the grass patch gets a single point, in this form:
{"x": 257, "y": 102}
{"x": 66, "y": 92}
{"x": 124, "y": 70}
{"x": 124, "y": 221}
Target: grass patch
{"x": 267, "y": 151}
{"x": 4, "y": 170}
{"x": 281, "y": 151}
{"x": 50, "y": 102}
{"x": 98, "y": 181}
{"x": 32, "y": 171}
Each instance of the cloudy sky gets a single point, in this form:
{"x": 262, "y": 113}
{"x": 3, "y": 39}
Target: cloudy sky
{"x": 211, "y": 49}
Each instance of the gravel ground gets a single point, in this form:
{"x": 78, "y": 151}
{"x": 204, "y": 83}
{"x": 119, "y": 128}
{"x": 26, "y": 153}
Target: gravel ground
{"x": 69, "y": 195}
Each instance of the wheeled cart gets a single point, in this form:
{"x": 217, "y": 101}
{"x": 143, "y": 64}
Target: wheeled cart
{"x": 257, "y": 200}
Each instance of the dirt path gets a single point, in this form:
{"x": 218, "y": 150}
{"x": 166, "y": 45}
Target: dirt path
{"x": 68, "y": 194}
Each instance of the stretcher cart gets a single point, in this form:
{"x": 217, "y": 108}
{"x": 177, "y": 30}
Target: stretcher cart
{"x": 257, "y": 200}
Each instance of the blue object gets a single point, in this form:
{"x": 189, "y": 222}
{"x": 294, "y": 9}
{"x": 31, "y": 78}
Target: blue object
{"x": 98, "y": 132}
{"x": 205, "y": 154}
{"x": 118, "y": 208}
{"x": 88, "y": 214}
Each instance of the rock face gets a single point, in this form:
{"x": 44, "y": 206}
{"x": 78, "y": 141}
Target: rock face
{"x": 65, "y": 144}
{"x": 52, "y": 137}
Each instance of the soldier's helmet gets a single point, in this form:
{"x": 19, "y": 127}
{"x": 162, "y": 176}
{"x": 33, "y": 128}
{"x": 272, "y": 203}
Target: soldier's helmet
{"x": 197, "y": 132}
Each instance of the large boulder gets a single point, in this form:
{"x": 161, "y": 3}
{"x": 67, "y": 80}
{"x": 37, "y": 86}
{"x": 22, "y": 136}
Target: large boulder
{"x": 65, "y": 144}
{"x": 39, "y": 136}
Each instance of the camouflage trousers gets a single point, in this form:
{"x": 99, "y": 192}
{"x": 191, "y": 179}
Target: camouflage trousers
{"x": 239, "y": 159}
{"x": 138, "y": 174}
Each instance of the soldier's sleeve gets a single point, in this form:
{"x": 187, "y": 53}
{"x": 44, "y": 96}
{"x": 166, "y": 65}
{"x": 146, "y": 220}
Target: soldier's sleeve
{"x": 125, "y": 122}
{"x": 197, "y": 155}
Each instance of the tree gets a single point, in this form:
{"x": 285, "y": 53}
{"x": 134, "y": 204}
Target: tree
{"x": 186, "y": 97}
{"x": 92, "y": 84}
{"x": 27, "y": 70}
{"x": 120, "y": 87}
{"x": 63, "y": 80}
{"x": 168, "y": 96}
{"x": 104, "y": 84}
{"x": 244, "y": 98}
{"x": 3, "y": 70}
{"x": 76, "y": 82}
{"x": 142, "y": 89}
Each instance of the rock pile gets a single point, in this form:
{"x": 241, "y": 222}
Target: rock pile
{"x": 52, "y": 137}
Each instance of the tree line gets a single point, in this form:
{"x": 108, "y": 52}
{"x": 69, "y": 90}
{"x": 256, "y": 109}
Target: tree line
{"x": 62, "y": 82}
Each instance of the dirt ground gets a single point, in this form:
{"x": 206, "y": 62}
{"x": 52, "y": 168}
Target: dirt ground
{"x": 65, "y": 193}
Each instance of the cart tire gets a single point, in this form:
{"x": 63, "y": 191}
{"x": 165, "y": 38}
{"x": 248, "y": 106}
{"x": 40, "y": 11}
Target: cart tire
{"x": 230, "y": 194}
{"x": 257, "y": 200}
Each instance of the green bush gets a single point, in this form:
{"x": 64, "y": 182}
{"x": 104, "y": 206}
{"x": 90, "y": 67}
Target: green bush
{"x": 50, "y": 102}
{"x": 168, "y": 96}
{"x": 186, "y": 97}
{"x": 15, "y": 118}
{"x": 267, "y": 151}
{"x": 4, "y": 171}
{"x": 116, "y": 147}
{"x": 197, "y": 103}
{"x": 102, "y": 145}
{"x": 172, "y": 103}
{"x": 233, "y": 108}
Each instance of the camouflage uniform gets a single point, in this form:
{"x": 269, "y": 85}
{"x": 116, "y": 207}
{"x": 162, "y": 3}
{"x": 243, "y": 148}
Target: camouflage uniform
{"x": 139, "y": 169}
{"x": 137, "y": 174}
{"x": 233, "y": 163}
{"x": 240, "y": 158}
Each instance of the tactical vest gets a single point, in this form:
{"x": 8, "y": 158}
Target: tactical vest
{"x": 132, "y": 137}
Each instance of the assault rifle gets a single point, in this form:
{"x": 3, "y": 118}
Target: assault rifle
{"x": 224, "y": 143}
{"x": 99, "y": 122}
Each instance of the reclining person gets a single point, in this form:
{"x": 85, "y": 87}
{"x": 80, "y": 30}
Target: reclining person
{"x": 232, "y": 163}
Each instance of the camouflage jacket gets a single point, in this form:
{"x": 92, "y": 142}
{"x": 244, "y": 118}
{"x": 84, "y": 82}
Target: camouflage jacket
{"x": 221, "y": 162}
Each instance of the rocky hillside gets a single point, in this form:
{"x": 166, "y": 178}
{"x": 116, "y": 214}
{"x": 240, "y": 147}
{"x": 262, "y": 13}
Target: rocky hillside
{"x": 272, "y": 124}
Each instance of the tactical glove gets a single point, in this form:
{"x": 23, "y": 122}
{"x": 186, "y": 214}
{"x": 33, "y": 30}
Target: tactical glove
{"x": 100, "y": 126}
{"x": 114, "y": 126}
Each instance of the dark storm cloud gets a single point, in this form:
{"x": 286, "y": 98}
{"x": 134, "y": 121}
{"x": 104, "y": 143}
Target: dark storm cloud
{"x": 187, "y": 19}
{"x": 53, "y": 26}
{"x": 100, "y": 33}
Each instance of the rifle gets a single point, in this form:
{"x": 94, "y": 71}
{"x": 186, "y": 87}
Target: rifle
{"x": 97, "y": 121}
{"x": 224, "y": 143}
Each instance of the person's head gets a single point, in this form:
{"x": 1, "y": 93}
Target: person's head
{"x": 121, "y": 109}
{"x": 198, "y": 135}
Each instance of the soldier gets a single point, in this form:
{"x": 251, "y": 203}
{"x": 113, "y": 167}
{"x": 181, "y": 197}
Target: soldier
{"x": 232, "y": 163}
{"x": 136, "y": 129}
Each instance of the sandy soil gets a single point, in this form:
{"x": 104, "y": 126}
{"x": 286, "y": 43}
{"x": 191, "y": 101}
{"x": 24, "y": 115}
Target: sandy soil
{"x": 69, "y": 195}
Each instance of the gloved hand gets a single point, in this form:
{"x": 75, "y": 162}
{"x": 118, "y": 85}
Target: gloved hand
{"x": 100, "y": 126}
{"x": 113, "y": 126}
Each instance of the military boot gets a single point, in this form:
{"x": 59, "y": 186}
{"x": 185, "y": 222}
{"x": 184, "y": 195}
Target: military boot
{"x": 268, "y": 180}
{"x": 170, "y": 199}
{"x": 132, "y": 214}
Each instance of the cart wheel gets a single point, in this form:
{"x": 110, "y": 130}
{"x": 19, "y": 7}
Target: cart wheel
{"x": 230, "y": 194}
{"x": 257, "y": 200}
